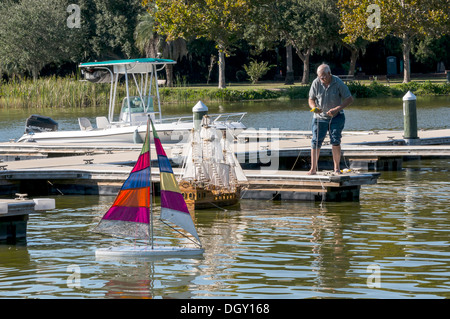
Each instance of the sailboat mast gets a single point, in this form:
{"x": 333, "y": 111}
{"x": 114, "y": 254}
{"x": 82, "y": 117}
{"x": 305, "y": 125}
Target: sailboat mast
{"x": 150, "y": 178}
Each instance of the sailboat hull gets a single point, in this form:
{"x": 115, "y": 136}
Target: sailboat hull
{"x": 147, "y": 251}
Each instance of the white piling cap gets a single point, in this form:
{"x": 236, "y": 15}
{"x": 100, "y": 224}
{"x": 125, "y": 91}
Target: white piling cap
{"x": 200, "y": 107}
{"x": 409, "y": 96}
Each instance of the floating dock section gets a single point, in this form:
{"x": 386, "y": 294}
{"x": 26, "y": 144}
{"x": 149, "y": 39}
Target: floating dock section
{"x": 292, "y": 185}
{"x": 14, "y": 215}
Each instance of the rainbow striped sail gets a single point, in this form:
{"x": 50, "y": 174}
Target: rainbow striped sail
{"x": 173, "y": 206}
{"x": 130, "y": 214}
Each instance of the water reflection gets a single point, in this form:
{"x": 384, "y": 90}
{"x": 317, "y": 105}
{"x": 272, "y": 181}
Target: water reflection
{"x": 260, "y": 249}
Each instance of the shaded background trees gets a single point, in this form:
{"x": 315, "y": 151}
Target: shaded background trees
{"x": 293, "y": 35}
{"x": 408, "y": 20}
{"x": 34, "y": 33}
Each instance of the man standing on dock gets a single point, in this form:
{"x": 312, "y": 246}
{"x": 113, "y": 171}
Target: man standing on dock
{"x": 328, "y": 97}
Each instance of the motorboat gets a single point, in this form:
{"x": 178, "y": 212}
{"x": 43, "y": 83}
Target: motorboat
{"x": 129, "y": 125}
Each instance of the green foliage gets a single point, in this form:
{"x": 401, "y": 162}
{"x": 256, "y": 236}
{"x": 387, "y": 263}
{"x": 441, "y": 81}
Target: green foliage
{"x": 297, "y": 92}
{"x": 429, "y": 88}
{"x": 112, "y": 25}
{"x": 359, "y": 90}
{"x": 379, "y": 89}
{"x": 376, "y": 89}
{"x": 68, "y": 92}
{"x": 257, "y": 70}
{"x": 403, "y": 19}
{"x": 35, "y": 33}
{"x": 220, "y": 20}
{"x": 309, "y": 26}
{"x": 215, "y": 94}
{"x": 53, "y": 91}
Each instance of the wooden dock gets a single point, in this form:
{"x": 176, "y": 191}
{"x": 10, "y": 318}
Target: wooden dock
{"x": 106, "y": 179}
{"x": 107, "y": 172}
{"x": 275, "y": 163}
{"x": 369, "y": 151}
{"x": 294, "y": 185}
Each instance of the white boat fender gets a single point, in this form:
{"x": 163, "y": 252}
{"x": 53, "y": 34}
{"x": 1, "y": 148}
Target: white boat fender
{"x": 44, "y": 203}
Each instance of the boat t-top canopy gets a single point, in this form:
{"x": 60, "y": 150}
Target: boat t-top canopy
{"x": 126, "y": 62}
{"x": 142, "y": 67}
{"x": 130, "y": 66}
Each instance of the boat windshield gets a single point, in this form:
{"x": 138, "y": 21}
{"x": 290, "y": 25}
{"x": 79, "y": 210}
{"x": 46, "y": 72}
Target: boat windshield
{"x": 142, "y": 73}
{"x": 137, "y": 105}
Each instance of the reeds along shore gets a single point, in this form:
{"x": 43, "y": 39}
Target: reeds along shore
{"x": 52, "y": 91}
{"x": 69, "y": 92}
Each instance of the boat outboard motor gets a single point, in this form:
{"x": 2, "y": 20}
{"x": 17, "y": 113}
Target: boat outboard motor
{"x": 97, "y": 76}
{"x": 38, "y": 123}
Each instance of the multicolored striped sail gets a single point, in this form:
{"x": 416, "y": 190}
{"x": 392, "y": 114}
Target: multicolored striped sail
{"x": 129, "y": 216}
{"x": 173, "y": 206}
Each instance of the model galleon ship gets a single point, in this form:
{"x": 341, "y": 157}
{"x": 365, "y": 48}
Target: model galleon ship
{"x": 212, "y": 175}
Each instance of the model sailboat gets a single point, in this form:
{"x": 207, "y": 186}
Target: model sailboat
{"x": 131, "y": 214}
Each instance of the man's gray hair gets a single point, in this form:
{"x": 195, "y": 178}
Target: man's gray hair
{"x": 324, "y": 68}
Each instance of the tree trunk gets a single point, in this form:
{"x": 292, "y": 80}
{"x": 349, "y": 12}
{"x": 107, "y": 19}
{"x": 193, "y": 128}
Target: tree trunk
{"x": 35, "y": 72}
{"x": 305, "y": 59}
{"x": 406, "y": 46}
{"x": 289, "y": 66}
{"x": 305, "y": 78}
{"x": 353, "y": 58}
{"x": 169, "y": 75}
{"x": 212, "y": 62}
{"x": 222, "y": 84}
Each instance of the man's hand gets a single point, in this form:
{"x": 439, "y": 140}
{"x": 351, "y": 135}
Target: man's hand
{"x": 334, "y": 111}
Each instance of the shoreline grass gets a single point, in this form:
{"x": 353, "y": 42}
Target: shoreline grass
{"x": 69, "y": 92}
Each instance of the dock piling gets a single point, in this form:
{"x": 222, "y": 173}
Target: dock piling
{"x": 199, "y": 110}
{"x": 410, "y": 119}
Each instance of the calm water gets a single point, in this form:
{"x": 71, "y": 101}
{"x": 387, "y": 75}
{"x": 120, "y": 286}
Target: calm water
{"x": 393, "y": 243}
{"x": 399, "y": 232}
{"x": 364, "y": 114}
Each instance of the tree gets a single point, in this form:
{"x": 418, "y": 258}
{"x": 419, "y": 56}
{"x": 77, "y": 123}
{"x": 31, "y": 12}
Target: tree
{"x": 35, "y": 33}
{"x": 152, "y": 44}
{"x": 112, "y": 24}
{"x": 256, "y": 70}
{"x": 310, "y": 26}
{"x": 147, "y": 40}
{"x": 218, "y": 20}
{"x": 355, "y": 48}
{"x": 433, "y": 51}
{"x": 405, "y": 19}
{"x": 262, "y": 33}
{"x": 307, "y": 25}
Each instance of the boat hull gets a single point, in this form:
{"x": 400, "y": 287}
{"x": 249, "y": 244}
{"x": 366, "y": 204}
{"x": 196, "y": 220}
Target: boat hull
{"x": 202, "y": 198}
{"x": 147, "y": 251}
{"x": 168, "y": 133}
